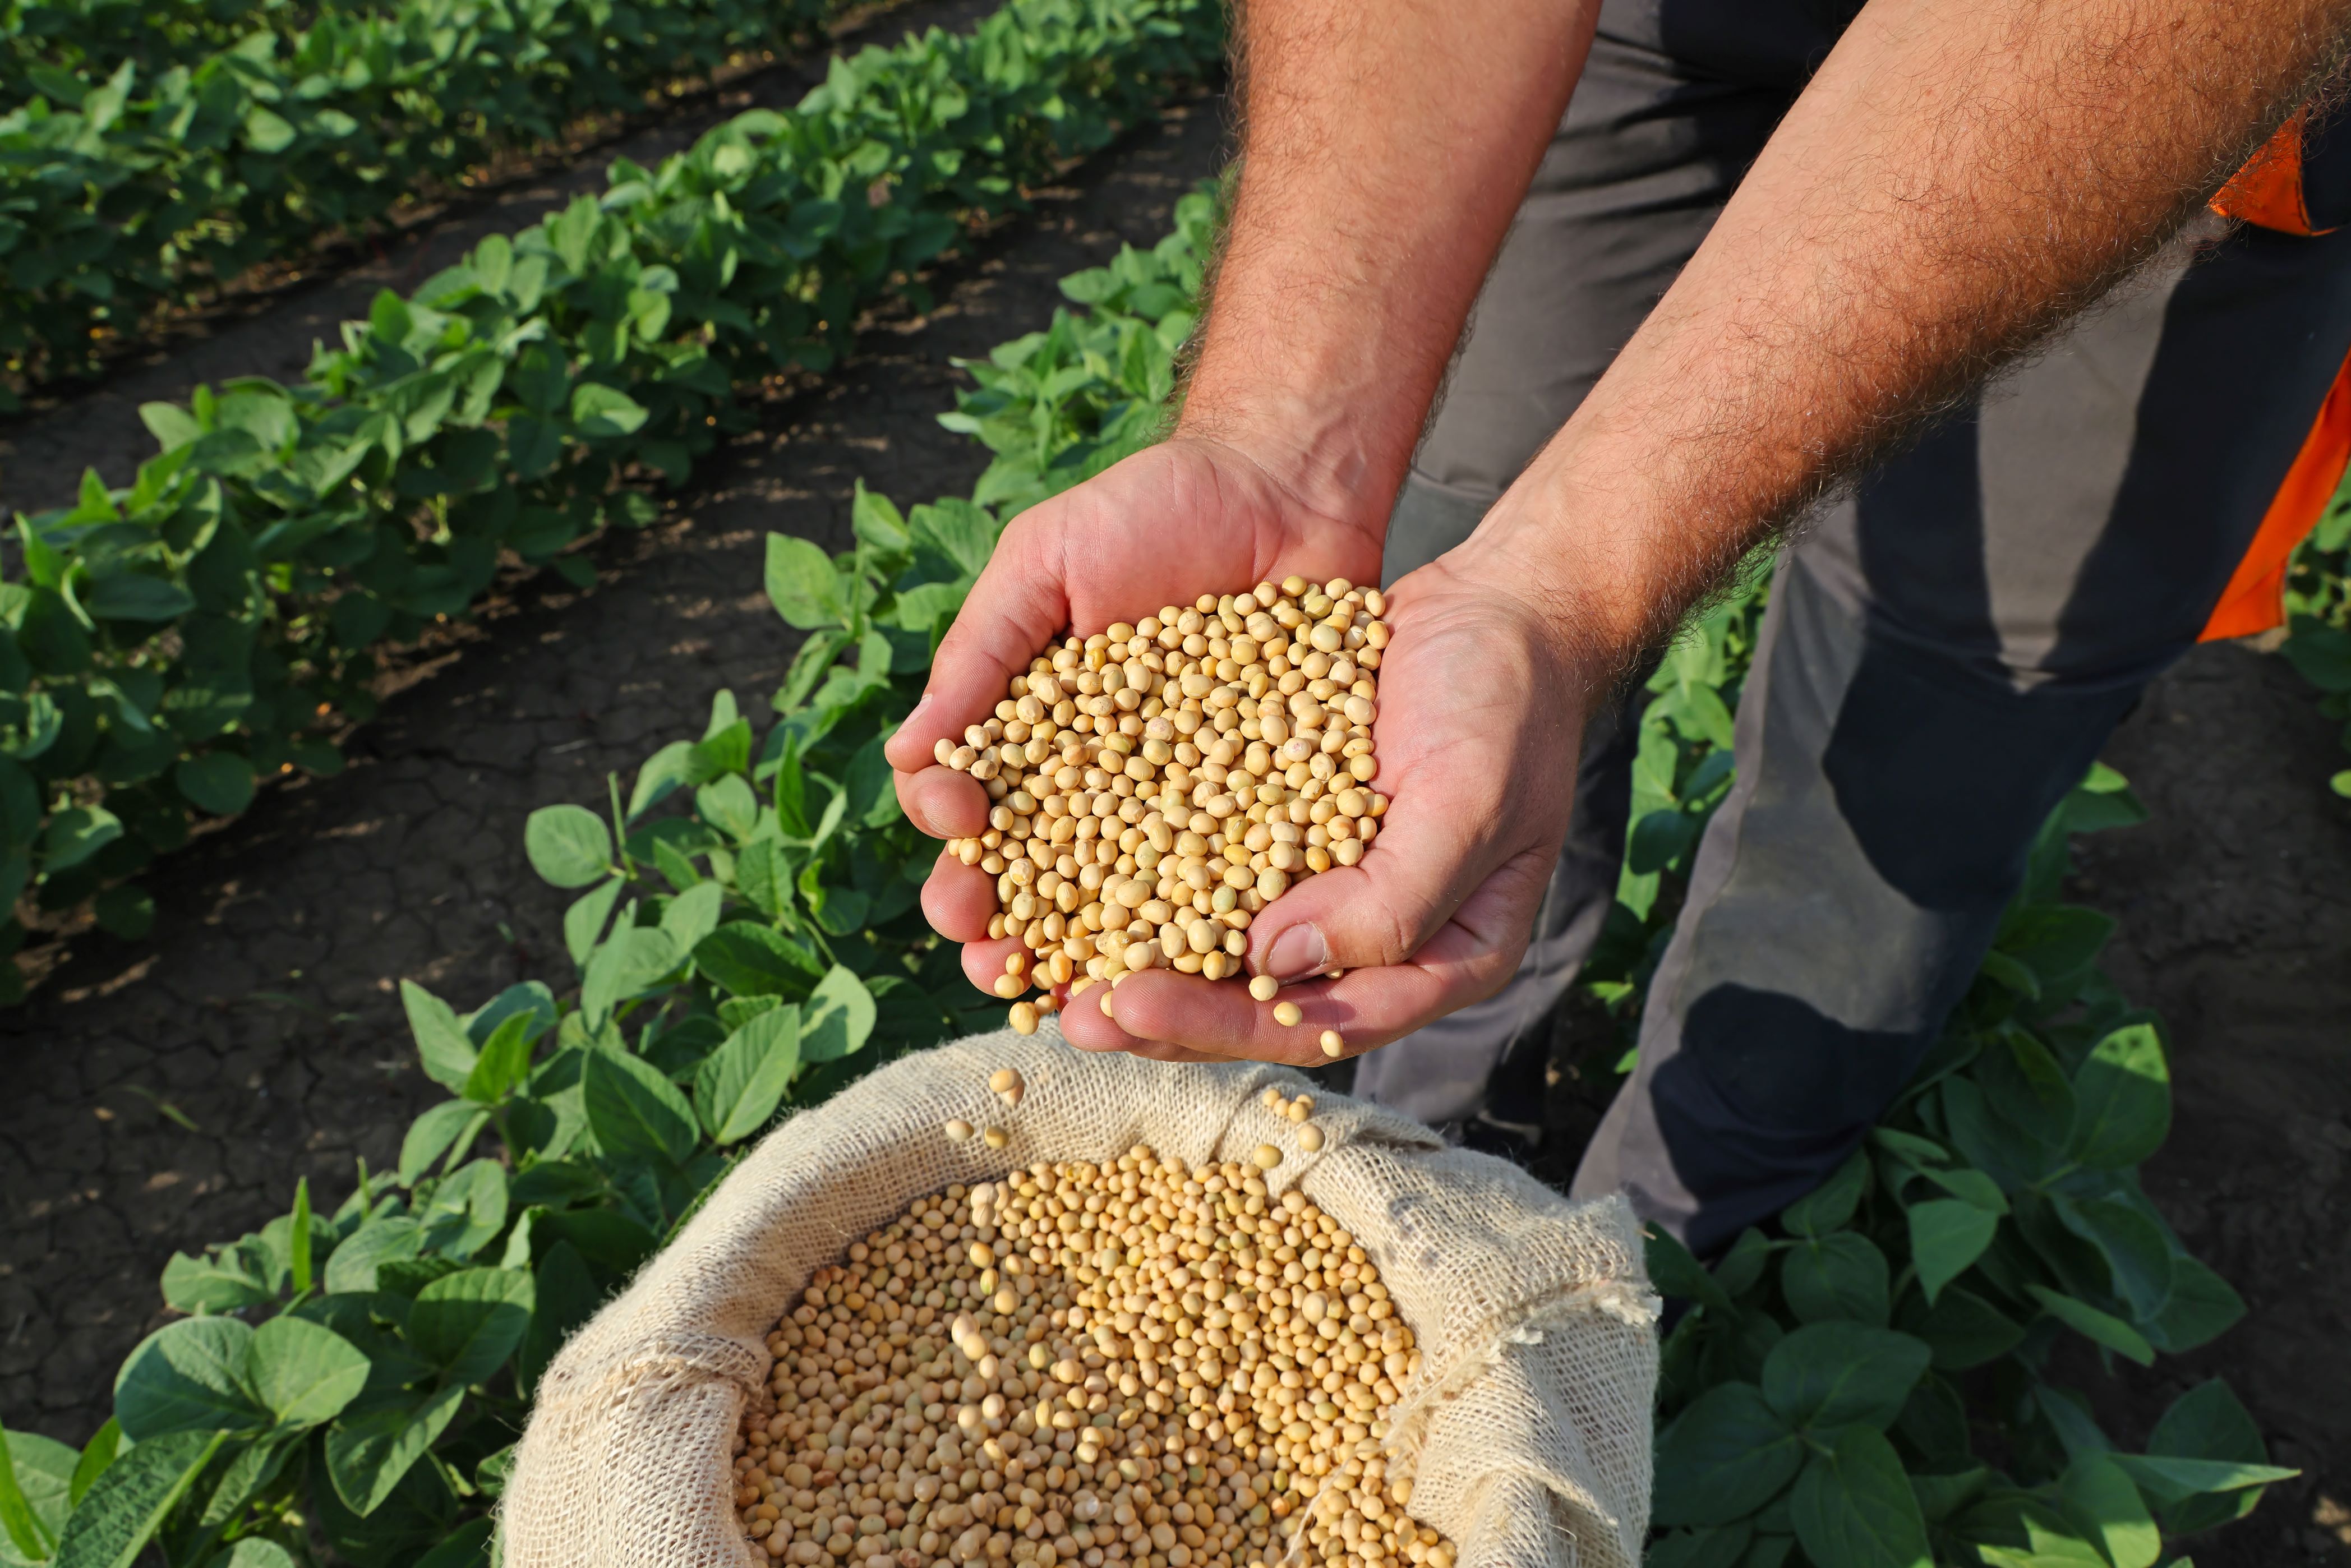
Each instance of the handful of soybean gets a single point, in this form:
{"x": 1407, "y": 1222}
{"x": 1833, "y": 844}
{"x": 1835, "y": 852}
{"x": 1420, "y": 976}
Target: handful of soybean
{"x": 1155, "y": 786}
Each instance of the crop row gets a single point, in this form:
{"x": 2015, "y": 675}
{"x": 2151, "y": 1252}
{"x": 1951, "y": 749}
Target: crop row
{"x": 94, "y": 36}
{"x": 747, "y": 940}
{"x": 131, "y": 179}
{"x": 752, "y": 951}
{"x": 208, "y": 626}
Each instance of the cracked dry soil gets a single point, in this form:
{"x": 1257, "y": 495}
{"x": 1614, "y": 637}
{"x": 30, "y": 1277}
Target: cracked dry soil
{"x": 264, "y": 1009}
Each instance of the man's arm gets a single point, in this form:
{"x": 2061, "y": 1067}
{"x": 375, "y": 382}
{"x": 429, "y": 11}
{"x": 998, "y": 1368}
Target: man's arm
{"x": 1957, "y": 181}
{"x": 1387, "y": 146}
{"x": 1386, "y": 149}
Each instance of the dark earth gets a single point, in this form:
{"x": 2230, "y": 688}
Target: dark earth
{"x": 169, "y": 1092}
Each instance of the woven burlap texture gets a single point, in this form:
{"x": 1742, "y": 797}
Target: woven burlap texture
{"x": 1527, "y": 1432}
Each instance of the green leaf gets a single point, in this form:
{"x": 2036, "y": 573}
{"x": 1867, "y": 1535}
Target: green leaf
{"x": 2099, "y": 1500}
{"x": 2025, "y": 1087}
{"x": 2122, "y": 1095}
{"x": 466, "y": 1210}
{"x": 75, "y": 834}
{"x": 837, "y": 1018}
{"x": 505, "y": 1061}
{"x": 2099, "y": 1327}
{"x": 432, "y": 1134}
{"x": 2206, "y": 1425}
{"x": 2172, "y": 1480}
{"x": 130, "y": 1503}
{"x": 2202, "y": 1307}
{"x": 259, "y": 1552}
{"x": 1853, "y": 1506}
{"x": 297, "y": 1258}
{"x": 674, "y": 765}
{"x": 1832, "y": 1203}
{"x": 1721, "y": 1547}
{"x": 97, "y": 1455}
{"x": 751, "y": 960}
{"x": 2208, "y": 1422}
{"x": 1947, "y": 1236}
{"x": 584, "y": 922}
{"x": 469, "y": 1322}
{"x": 2052, "y": 1546}
{"x": 631, "y": 960}
{"x": 739, "y": 1085}
{"x": 135, "y": 595}
{"x": 189, "y": 1376}
{"x": 35, "y": 1482}
{"x": 441, "y": 1040}
{"x": 2137, "y": 1253}
{"x": 1677, "y": 1273}
{"x": 351, "y": 1266}
{"x": 728, "y": 804}
{"x": 803, "y": 585}
{"x": 568, "y": 845}
{"x": 467, "y": 1547}
{"x": 633, "y": 1108}
{"x": 367, "y": 1457}
{"x": 601, "y": 412}
{"x": 220, "y": 782}
{"x": 217, "y": 1282}
{"x": 693, "y": 914}
{"x": 1827, "y": 1375}
{"x": 305, "y": 1373}
{"x": 266, "y": 131}
{"x": 1725, "y": 1457}
{"x": 1841, "y": 1275}
{"x": 565, "y": 1297}
{"x": 1940, "y": 1496}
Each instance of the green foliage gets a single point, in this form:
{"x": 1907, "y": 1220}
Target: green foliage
{"x": 172, "y": 642}
{"x": 1057, "y": 407}
{"x": 748, "y": 942}
{"x": 1812, "y": 1409}
{"x": 152, "y": 148}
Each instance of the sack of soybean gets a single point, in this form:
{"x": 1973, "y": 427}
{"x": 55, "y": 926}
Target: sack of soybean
{"x": 1192, "y": 1343}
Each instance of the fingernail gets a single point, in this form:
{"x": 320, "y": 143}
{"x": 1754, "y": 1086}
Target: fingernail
{"x": 921, "y": 703}
{"x": 1299, "y": 950}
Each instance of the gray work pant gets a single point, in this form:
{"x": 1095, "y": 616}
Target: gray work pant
{"x": 1944, "y": 651}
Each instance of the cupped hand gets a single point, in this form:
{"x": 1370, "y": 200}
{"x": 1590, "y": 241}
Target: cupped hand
{"x": 1187, "y": 516}
{"x": 1480, "y": 717}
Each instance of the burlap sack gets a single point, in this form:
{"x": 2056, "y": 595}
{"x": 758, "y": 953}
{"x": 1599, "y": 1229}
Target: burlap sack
{"x": 1527, "y": 1432}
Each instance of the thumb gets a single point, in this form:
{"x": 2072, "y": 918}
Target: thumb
{"x": 1380, "y": 911}
{"x": 1014, "y": 609}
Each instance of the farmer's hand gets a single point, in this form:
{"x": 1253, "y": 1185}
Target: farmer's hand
{"x": 1480, "y": 713}
{"x": 1190, "y": 516}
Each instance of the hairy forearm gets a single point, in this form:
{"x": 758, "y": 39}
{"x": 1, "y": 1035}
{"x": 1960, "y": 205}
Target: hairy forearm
{"x": 1385, "y": 147}
{"x": 1956, "y": 182}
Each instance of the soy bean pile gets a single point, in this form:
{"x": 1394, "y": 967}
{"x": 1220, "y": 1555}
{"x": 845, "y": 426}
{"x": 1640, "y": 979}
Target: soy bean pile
{"x": 1126, "y": 1366}
{"x": 1155, "y": 786}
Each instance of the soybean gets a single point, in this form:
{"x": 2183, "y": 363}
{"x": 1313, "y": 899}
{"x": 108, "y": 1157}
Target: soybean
{"x": 974, "y": 1377}
{"x": 1155, "y": 786}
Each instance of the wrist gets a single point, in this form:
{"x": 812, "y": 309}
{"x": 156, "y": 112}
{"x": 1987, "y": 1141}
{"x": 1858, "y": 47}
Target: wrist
{"x": 1578, "y": 566}
{"x": 1315, "y": 462}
